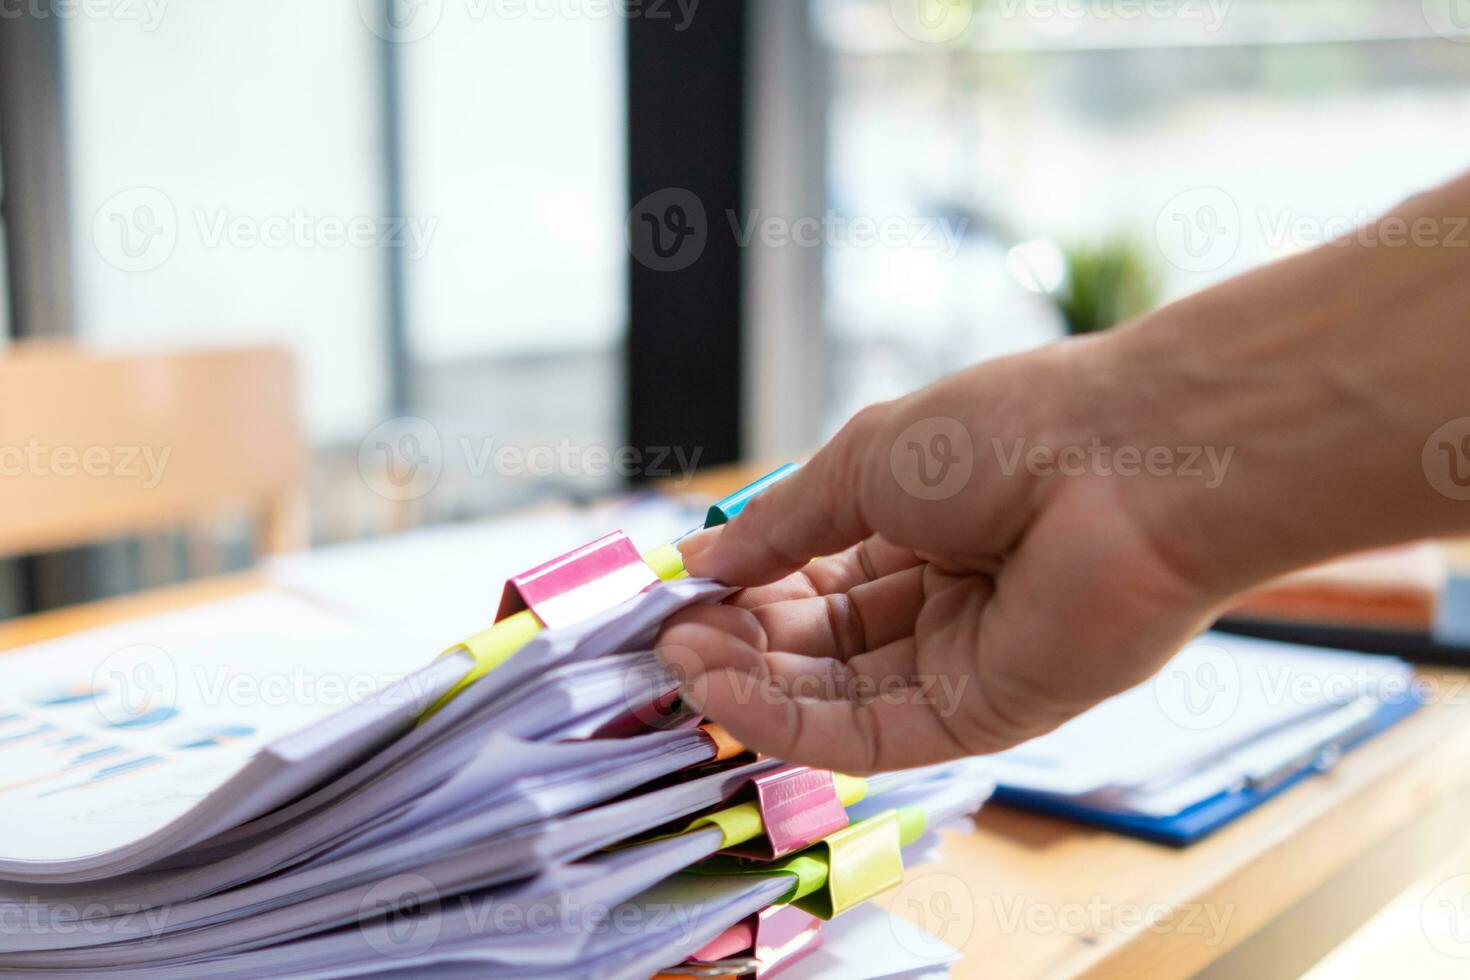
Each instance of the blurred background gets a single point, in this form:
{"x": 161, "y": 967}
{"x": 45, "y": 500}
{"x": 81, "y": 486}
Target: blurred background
{"x": 542, "y": 249}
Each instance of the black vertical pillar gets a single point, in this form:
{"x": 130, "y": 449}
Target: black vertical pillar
{"x": 686, "y": 146}
{"x": 37, "y": 246}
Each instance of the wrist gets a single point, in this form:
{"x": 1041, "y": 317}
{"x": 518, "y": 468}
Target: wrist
{"x": 1198, "y": 384}
{"x": 1321, "y": 377}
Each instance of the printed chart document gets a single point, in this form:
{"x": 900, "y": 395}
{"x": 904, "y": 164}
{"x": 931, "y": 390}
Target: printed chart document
{"x": 121, "y": 744}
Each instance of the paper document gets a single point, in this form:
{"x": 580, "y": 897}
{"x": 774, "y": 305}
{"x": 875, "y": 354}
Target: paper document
{"x": 111, "y": 736}
{"x": 1227, "y": 711}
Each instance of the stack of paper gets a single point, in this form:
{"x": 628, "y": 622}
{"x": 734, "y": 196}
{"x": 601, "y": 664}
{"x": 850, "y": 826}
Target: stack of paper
{"x": 257, "y": 789}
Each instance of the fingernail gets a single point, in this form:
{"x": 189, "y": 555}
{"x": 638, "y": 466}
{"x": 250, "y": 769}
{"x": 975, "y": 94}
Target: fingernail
{"x": 695, "y": 547}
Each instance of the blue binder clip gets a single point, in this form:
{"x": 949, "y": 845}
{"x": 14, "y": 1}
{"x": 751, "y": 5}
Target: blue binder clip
{"x": 723, "y": 510}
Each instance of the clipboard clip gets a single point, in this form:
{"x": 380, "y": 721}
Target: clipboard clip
{"x": 580, "y": 584}
{"x": 1321, "y": 755}
{"x": 1319, "y": 758}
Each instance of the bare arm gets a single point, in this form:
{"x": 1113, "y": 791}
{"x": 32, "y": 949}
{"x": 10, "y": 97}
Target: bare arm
{"x": 1007, "y": 547}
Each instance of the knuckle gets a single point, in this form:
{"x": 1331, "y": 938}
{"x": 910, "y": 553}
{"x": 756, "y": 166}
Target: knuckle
{"x": 843, "y": 619}
{"x": 868, "y": 419}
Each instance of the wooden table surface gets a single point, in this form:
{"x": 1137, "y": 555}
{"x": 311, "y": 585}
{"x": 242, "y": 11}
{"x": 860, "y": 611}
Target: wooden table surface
{"x": 1030, "y": 896}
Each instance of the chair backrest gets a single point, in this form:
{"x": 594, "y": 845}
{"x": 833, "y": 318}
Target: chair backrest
{"x": 96, "y": 446}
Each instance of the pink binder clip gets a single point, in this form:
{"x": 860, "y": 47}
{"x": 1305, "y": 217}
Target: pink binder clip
{"x": 579, "y": 584}
{"x": 783, "y": 935}
{"x": 762, "y": 945}
{"x": 799, "y": 806}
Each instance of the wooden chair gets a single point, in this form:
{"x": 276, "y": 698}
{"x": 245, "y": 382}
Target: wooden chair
{"x": 96, "y": 446}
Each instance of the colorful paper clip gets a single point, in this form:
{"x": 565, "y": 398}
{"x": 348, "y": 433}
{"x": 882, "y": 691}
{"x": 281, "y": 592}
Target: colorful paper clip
{"x": 799, "y": 806}
{"x": 579, "y": 584}
{"x": 760, "y": 946}
{"x": 863, "y": 861}
{"x": 842, "y": 871}
{"x": 573, "y": 587}
{"x": 723, "y": 510}
{"x": 796, "y": 801}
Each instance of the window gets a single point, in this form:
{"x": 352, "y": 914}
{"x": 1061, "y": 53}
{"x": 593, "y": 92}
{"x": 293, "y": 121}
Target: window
{"x": 1189, "y": 146}
{"x": 514, "y": 156}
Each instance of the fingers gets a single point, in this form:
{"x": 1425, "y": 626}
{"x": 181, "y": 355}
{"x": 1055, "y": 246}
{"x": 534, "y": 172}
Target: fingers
{"x": 843, "y": 625}
{"x": 813, "y": 512}
{"x": 866, "y": 561}
{"x": 710, "y": 638}
{"x": 890, "y": 730}
{"x": 839, "y": 626}
{"x": 849, "y": 697}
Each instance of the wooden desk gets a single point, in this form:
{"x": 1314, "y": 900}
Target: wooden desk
{"x": 1029, "y": 896}
{"x": 1266, "y": 896}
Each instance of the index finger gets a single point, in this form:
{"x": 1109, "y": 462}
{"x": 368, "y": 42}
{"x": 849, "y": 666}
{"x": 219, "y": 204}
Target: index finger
{"x": 813, "y": 512}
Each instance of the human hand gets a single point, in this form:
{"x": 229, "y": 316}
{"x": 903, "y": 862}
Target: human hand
{"x": 965, "y": 599}
{"x": 990, "y": 563}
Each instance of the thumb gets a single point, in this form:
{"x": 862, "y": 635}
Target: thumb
{"x": 816, "y": 511}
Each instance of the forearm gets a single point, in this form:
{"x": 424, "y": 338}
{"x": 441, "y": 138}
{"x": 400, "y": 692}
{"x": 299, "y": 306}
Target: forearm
{"x": 1326, "y": 374}
{"x": 988, "y": 528}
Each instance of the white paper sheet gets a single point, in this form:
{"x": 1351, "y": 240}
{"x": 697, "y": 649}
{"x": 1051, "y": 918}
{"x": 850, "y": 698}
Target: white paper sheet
{"x": 870, "y": 943}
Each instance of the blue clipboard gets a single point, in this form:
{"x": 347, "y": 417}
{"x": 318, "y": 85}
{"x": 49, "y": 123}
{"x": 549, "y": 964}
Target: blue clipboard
{"x": 1188, "y": 826}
